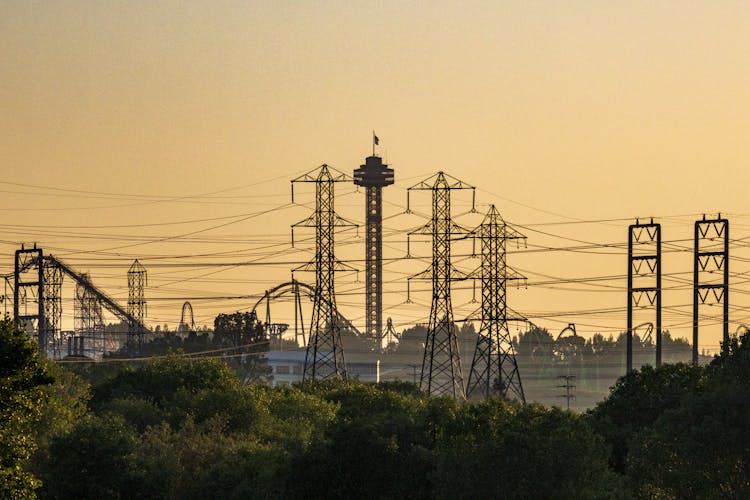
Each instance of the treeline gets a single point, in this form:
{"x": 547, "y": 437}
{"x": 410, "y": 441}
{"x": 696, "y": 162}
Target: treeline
{"x": 237, "y": 338}
{"x": 179, "y": 427}
{"x": 595, "y": 363}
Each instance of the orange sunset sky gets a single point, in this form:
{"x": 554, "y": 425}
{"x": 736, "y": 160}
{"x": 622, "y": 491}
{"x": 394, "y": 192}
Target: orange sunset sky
{"x": 169, "y": 131}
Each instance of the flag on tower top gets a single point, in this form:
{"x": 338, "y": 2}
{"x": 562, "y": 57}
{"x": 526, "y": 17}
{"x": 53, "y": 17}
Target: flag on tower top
{"x": 375, "y": 139}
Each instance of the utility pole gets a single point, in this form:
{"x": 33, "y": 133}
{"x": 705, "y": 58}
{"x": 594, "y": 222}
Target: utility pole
{"x": 441, "y": 364}
{"x": 414, "y": 373}
{"x": 325, "y": 355}
{"x": 568, "y": 389}
{"x": 708, "y": 260}
{"x": 494, "y": 369}
{"x": 374, "y": 175}
{"x": 644, "y": 249}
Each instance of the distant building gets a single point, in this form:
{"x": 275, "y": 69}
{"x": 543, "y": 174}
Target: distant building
{"x": 287, "y": 367}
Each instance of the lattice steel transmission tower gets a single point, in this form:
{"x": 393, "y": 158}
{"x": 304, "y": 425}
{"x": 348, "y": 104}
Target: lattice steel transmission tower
{"x": 494, "y": 370}
{"x": 137, "y": 282}
{"x": 374, "y": 175}
{"x": 441, "y": 364}
{"x": 325, "y": 354}
{"x": 644, "y": 249}
{"x": 708, "y": 261}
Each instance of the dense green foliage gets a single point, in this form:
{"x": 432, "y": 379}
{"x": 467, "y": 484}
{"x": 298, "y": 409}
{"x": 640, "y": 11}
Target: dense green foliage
{"x": 23, "y": 377}
{"x": 180, "y": 427}
{"x": 187, "y": 428}
{"x": 239, "y": 338}
{"x": 681, "y": 431}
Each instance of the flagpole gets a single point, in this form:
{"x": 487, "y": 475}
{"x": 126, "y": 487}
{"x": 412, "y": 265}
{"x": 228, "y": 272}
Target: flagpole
{"x": 373, "y": 142}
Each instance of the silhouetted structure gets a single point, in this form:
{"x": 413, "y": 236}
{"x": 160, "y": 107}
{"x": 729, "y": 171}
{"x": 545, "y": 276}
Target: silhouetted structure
{"x": 374, "y": 176}
{"x": 52, "y": 291}
{"x": 38, "y": 283}
{"x": 187, "y": 318}
{"x": 441, "y": 364}
{"x": 88, "y": 321}
{"x": 297, "y": 289}
{"x": 325, "y": 354}
{"x": 494, "y": 369}
{"x": 569, "y": 387}
{"x": 707, "y": 262}
{"x": 644, "y": 249}
{"x": 390, "y": 335}
{"x": 28, "y": 293}
{"x": 137, "y": 281}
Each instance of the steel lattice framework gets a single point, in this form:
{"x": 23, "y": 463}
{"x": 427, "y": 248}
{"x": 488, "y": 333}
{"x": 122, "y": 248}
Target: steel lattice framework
{"x": 52, "y": 290}
{"x": 708, "y": 261}
{"x": 325, "y": 354}
{"x": 88, "y": 321}
{"x": 644, "y": 249}
{"x": 37, "y": 303}
{"x": 137, "y": 282}
{"x": 28, "y": 294}
{"x": 441, "y": 364}
{"x": 39, "y": 280}
{"x": 494, "y": 370}
{"x": 374, "y": 175}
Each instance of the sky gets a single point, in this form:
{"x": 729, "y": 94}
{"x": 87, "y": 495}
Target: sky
{"x": 169, "y": 131}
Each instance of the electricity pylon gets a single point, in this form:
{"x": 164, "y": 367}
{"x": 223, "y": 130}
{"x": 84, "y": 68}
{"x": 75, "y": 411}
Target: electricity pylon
{"x": 494, "y": 370}
{"x": 644, "y": 249}
{"x": 325, "y": 354}
{"x": 441, "y": 364}
{"x": 710, "y": 259}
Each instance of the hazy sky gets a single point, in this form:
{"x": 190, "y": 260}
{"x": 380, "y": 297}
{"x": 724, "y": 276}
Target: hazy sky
{"x": 189, "y": 111}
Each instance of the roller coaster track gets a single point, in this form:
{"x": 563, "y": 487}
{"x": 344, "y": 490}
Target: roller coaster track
{"x": 309, "y": 290}
{"x": 108, "y": 302}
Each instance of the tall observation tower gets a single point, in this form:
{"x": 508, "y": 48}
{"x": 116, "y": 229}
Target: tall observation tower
{"x": 373, "y": 175}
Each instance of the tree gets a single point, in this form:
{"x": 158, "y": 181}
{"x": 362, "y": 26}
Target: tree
{"x": 698, "y": 447}
{"x": 377, "y": 446}
{"x": 412, "y": 339}
{"x": 536, "y": 343}
{"x": 636, "y": 402}
{"x": 238, "y": 329}
{"x": 65, "y": 402}
{"x": 164, "y": 379}
{"x": 497, "y": 449}
{"x": 245, "y": 332}
{"x": 91, "y": 461}
{"x": 23, "y": 376}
